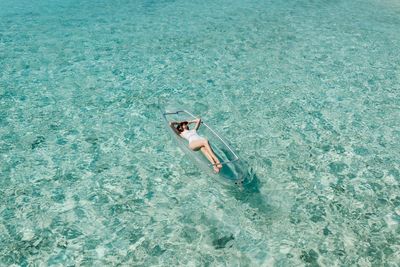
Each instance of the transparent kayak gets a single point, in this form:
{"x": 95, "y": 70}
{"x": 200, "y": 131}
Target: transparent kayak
{"x": 232, "y": 167}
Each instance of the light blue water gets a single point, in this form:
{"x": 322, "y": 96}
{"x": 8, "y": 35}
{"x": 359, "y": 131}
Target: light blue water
{"x": 306, "y": 91}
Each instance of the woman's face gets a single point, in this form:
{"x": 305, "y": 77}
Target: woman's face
{"x": 185, "y": 126}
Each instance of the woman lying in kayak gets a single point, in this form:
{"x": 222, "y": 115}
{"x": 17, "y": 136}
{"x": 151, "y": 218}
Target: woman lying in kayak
{"x": 196, "y": 142}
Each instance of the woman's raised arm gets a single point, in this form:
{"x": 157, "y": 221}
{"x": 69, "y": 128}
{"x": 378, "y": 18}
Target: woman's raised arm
{"x": 197, "y": 121}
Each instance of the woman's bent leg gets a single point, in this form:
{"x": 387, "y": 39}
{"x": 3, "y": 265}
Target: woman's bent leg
{"x": 215, "y": 158}
{"x": 207, "y": 154}
{"x": 202, "y": 145}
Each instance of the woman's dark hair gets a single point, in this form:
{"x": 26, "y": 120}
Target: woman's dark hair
{"x": 179, "y": 127}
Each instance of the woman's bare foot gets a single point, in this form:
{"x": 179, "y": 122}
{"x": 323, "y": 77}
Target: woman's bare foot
{"x": 216, "y": 169}
{"x": 219, "y": 165}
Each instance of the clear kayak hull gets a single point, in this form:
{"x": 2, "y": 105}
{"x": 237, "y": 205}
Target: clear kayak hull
{"x": 232, "y": 167}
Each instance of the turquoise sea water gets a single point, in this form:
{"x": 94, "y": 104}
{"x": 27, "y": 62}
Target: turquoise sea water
{"x": 306, "y": 91}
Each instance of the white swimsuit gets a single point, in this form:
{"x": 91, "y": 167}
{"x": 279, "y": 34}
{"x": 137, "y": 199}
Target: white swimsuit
{"x": 191, "y": 135}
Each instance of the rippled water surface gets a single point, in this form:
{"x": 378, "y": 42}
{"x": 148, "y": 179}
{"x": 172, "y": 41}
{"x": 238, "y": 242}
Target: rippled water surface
{"x": 307, "y": 92}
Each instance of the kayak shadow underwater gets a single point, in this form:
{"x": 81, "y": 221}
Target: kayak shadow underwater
{"x": 248, "y": 191}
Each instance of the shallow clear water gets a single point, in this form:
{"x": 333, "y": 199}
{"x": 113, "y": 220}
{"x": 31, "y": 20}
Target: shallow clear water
{"x": 306, "y": 91}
